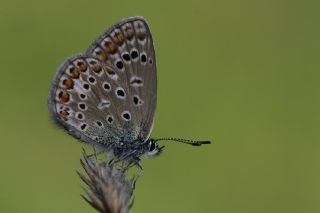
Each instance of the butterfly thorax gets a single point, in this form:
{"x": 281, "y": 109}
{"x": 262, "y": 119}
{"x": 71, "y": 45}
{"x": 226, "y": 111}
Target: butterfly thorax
{"x": 134, "y": 150}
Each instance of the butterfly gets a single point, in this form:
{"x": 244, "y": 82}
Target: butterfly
{"x": 107, "y": 96}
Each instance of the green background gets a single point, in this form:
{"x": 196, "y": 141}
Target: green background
{"x": 242, "y": 73}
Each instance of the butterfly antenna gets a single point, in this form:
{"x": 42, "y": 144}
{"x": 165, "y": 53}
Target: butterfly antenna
{"x": 191, "y": 142}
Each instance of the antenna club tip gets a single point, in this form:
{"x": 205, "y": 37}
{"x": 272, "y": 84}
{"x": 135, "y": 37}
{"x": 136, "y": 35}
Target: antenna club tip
{"x": 205, "y": 142}
{"x": 199, "y": 143}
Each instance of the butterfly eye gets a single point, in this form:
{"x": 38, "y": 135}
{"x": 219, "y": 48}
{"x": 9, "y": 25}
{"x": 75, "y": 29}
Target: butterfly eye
{"x": 152, "y": 146}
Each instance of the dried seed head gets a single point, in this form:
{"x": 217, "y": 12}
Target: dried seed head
{"x": 109, "y": 190}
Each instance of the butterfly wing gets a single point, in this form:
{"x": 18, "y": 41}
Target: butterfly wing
{"x": 128, "y": 46}
{"x": 110, "y": 98}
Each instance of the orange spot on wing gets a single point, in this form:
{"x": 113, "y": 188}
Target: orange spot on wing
{"x": 64, "y": 114}
{"x": 74, "y": 73}
{"x": 119, "y": 39}
{"x": 83, "y": 67}
{"x": 130, "y": 35}
{"x": 110, "y": 48}
{"x": 102, "y": 56}
{"x": 110, "y": 71}
{"x": 64, "y": 97}
{"x": 96, "y": 68}
{"x": 68, "y": 83}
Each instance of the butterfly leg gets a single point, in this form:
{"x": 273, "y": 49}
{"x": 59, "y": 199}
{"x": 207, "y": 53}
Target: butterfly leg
{"x": 111, "y": 161}
{"x": 95, "y": 153}
{"x": 138, "y": 174}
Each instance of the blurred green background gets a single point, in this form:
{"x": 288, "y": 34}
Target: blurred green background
{"x": 242, "y": 73}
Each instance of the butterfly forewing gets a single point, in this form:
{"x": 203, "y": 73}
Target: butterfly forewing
{"x": 128, "y": 46}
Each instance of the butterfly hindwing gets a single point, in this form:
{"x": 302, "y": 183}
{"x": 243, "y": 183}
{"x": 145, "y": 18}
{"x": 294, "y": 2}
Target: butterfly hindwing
{"x": 87, "y": 99}
{"x": 128, "y": 46}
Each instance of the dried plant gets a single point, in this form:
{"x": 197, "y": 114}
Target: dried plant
{"x": 108, "y": 188}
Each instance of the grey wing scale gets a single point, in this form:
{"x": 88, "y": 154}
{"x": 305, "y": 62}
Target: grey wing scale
{"x": 128, "y": 46}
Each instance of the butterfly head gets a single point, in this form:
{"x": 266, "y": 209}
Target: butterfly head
{"x": 151, "y": 148}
